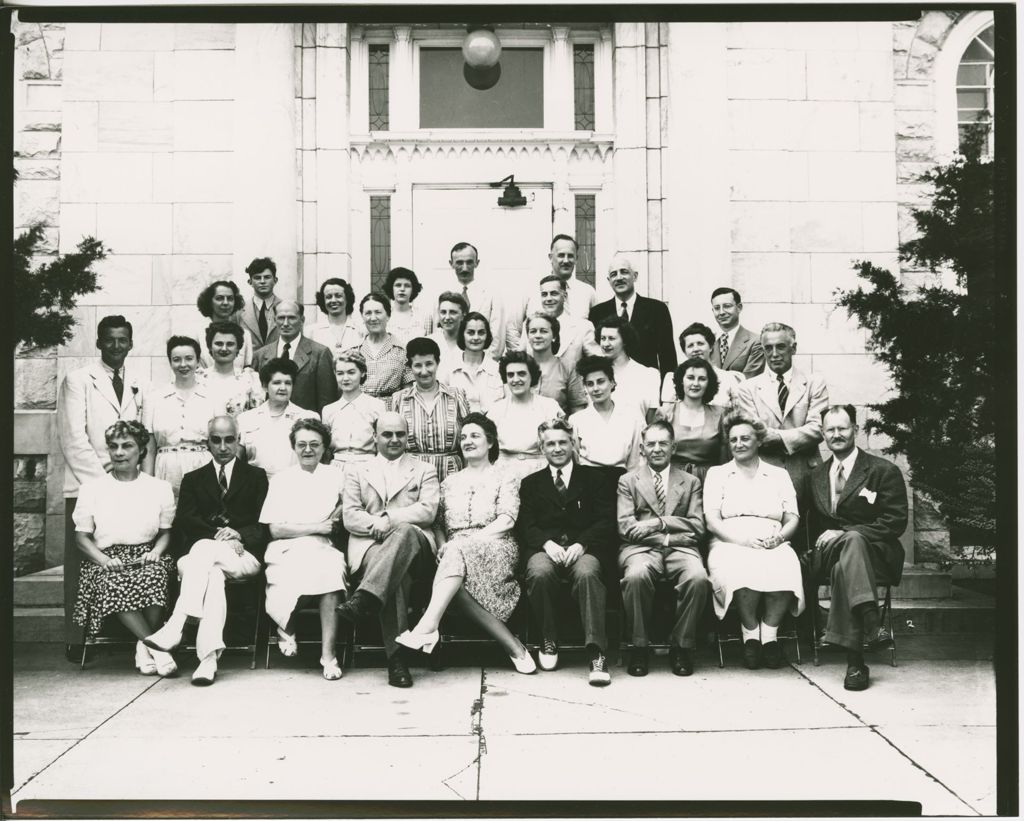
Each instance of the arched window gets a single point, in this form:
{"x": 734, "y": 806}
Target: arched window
{"x": 975, "y": 88}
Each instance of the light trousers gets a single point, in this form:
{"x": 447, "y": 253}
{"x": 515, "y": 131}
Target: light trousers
{"x": 683, "y": 567}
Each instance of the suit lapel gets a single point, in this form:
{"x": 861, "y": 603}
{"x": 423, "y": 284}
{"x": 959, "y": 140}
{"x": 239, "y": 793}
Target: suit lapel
{"x": 769, "y": 393}
{"x": 645, "y": 487}
{"x": 739, "y": 344}
{"x": 856, "y": 480}
{"x": 797, "y": 389}
{"x": 820, "y": 486}
{"x": 674, "y": 492}
{"x": 302, "y": 352}
{"x": 105, "y": 388}
{"x": 238, "y": 474}
{"x": 407, "y": 470}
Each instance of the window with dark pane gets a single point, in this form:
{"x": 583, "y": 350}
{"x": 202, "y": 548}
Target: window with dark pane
{"x": 380, "y": 241}
{"x": 583, "y": 86}
{"x": 585, "y": 237}
{"x": 511, "y": 95}
{"x": 975, "y": 88}
{"x": 379, "y": 59}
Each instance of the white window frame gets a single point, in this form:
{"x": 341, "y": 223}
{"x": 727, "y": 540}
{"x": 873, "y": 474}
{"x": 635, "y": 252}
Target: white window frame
{"x": 947, "y": 63}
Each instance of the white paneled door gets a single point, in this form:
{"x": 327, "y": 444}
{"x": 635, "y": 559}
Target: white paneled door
{"x": 512, "y": 242}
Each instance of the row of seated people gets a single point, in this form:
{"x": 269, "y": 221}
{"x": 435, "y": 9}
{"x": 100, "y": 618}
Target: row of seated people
{"x": 482, "y": 523}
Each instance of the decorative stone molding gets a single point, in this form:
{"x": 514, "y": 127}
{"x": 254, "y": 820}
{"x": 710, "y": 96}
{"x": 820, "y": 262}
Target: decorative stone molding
{"x": 447, "y": 147}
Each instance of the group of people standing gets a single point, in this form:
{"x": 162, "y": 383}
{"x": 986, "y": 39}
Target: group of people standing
{"x": 498, "y": 445}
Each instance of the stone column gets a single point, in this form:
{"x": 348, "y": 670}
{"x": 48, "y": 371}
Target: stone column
{"x": 264, "y": 212}
{"x": 559, "y": 105}
{"x": 630, "y": 162}
{"x": 404, "y": 102}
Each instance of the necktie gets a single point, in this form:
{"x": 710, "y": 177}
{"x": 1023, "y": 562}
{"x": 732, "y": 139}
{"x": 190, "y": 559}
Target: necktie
{"x": 659, "y": 489}
{"x": 223, "y": 480}
{"x": 623, "y": 313}
{"x": 287, "y": 348}
{"x": 118, "y": 384}
{"x": 840, "y": 484}
{"x": 560, "y": 484}
{"x": 262, "y": 322}
{"x": 465, "y": 294}
{"x": 723, "y": 349}
{"x": 783, "y": 394}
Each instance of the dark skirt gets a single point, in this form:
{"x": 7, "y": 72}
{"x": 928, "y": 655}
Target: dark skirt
{"x": 101, "y": 593}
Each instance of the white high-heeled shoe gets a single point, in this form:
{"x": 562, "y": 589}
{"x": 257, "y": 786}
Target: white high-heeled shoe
{"x": 524, "y": 664}
{"x": 419, "y": 641}
{"x": 288, "y": 645}
{"x": 332, "y": 670}
{"x": 143, "y": 660}
{"x": 166, "y": 667}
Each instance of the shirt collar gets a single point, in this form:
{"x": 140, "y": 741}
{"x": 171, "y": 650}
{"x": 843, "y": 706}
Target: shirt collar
{"x": 731, "y": 334}
{"x": 229, "y": 469}
{"x": 847, "y": 463}
{"x": 566, "y": 472}
{"x": 295, "y": 344}
{"x": 630, "y": 304}
{"x": 662, "y": 473}
{"x": 787, "y": 377}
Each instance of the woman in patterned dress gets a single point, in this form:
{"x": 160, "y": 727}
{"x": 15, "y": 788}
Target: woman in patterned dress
{"x": 433, "y": 411}
{"x": 386, "y": 370}
{"x": 699, "y": 443}
{"x": 234, "y": 391}
{"x": 408, "y": 319}
{"x": 478, "y": 552}
{"x": 339, "y": 329}
{"x": 123, "y": 526}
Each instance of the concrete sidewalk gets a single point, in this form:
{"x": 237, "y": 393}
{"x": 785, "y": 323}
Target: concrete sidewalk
{"x": 924, "y": 731}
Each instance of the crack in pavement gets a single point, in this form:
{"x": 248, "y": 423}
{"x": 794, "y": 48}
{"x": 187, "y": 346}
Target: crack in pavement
{"x": 875, "y": 729}
{"x": 476, "y": 728}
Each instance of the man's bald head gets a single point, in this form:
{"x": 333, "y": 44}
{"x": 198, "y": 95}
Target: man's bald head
{"x": 289, "y": 316}
{"x": 391, "y": 433}
{"x": 622, "y": 277}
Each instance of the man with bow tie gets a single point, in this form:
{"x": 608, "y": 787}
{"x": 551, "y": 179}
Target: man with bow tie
{"x": 855, "y": 509}
{"x": 218, "y": 524}
{"x": 566, "y": 529}
{"x": 788, "y": 402}
{"x": 90, "y": 400}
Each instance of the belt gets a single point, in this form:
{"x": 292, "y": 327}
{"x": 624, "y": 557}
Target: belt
{"x": 182, "y": 449}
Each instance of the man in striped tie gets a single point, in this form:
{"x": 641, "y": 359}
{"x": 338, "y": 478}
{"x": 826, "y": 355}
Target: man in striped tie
{"x": 661, "y": 524}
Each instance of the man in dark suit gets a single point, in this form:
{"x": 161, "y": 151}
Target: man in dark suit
{"x": 217, "y": 522}
{"x": 661, "y": 524}
{"x": 735, "y": 348}
{"x": 855, "y": 506}
{"x": 649, "y": 317}
{"x": 257, "y": 315}
{"x": 566, "y": 528}
{"x": 314, "y": 385}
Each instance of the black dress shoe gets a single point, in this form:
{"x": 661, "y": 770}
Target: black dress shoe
{"x": 360, "y": 606}
{"x": 772, "y": 655}
{"x": 398, "y": 672}
{"x": 882, "y": 641}
{"x": 751, "y": 654}
{"x": 856, "y": 678}
{"x": 638, "y": 661}
{"x": 682, "y": 661}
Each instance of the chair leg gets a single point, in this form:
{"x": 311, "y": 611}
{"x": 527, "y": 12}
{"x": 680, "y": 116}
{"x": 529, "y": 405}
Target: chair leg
{"x": 85, "y": 649}
{"x": 255, "y": 638}
{"x": 814, "y": 629}
{"x": 718, "y": 643}
{"x": 888, "y": 620}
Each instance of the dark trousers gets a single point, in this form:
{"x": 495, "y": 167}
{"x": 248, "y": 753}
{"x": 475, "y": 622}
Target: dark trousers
{"x": 73, "y": 633}
{"x": 642, "y": 568}
{"x": 543, "y": 585}
{"x": 386, "y": 574}
{"x": 850, "y": 562}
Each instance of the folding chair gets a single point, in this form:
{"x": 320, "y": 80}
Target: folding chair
{"x": 307, "y": 619}
{"x": 885, "y": 617}
{"x": 787, "y": 632}
{"x": 242, "y": 630}
{"x": 114, "y": 633}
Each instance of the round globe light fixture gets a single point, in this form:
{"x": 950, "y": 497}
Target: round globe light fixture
{"x": 481, "y": 48}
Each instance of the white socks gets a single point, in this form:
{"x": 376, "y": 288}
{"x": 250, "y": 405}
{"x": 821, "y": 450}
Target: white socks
{"x": 753, "y": 633}
{"x": 768, "y": 634}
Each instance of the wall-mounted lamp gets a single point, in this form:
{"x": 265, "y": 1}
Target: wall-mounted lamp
{"x": 511, "y": 197}
{"x": 481, "y": 49}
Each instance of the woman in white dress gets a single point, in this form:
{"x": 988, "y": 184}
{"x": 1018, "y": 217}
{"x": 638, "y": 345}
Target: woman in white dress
{"x": 339, "y": 329}
{"x": 408, "y": 319}
{"x": 123, "y": 528}
{"x": 751, "y": 512}
{"x": 178, "y": 415}
{"x": 353, "y": 417}
{"x": 558, "y": 380}
{"x": 474, "y": 372}
{"x": 263, "y": 431}
{"x": 303, "y": 510}
{"x": 519, "y": 413}
{"x": 617, "y": 340}
{"x": 234, "y": 391}
{"x": 222, "y": 301}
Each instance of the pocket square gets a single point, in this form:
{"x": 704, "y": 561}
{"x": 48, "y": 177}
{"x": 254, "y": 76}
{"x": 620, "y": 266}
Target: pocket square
{"x": 870, "y": 495}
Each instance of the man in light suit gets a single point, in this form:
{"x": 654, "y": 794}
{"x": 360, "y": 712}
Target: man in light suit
{"x": 661, "y": 524}
{"x": 89, "y": 401}
{"x": 257, "y": 315}
{"x": 788, "y": 402}
{"x": 649, "y": 317}
{"x": 736, "y": 348}
{"x": 855, "y": 509}
{"x": 388, "y": 508}
{"x": 217, "y": 524}
{"x": 314, "y": 385}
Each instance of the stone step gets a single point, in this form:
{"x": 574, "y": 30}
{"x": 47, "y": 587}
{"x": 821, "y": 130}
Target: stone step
{"x": 917, "y": 583}
{"x": 39, "y": 624}
{"x": 42, "y": 589}
{"x": 964, "y": 611}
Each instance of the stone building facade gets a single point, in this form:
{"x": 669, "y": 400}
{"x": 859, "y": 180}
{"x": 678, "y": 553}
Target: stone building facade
{"x": 766, "y": 156}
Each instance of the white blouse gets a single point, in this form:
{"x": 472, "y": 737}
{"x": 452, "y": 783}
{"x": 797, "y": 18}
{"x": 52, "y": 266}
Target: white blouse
{"x": 175, "y": 421}
{"x": 124, "y": 512}
{"x": 265, "y": 437}
{"x": 350, "y": 336}
{"x": 768, "y": 494}
{"x": 351, "y": 423}
{"x": 417, "y": 321}
{"x": 299, "y": 496}
{"x": 614, "y": 441}
{"x": 517, "y": 422}
{"x": 481, "y": 383}
{"x": 637, "y": 384}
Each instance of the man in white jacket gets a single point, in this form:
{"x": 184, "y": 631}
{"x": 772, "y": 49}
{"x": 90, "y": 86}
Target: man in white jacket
{"x": 89, "y": 401}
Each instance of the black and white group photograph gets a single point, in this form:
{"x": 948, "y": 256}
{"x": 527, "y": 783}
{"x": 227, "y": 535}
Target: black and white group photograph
{"x": 423, "y": 405}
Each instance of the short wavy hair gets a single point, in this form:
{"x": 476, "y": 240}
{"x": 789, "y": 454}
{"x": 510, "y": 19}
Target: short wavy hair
{"x": 556, "y": 328}
{"x": 204, "y": 302}
{"x": 353, "y": 356}
{"x": 261, "y": 264}
{"x": 422, "y": 346}
{"x": 312, "y": 424}
{"x": 700, "y": 364}
{"x": 554, "y": 424}
{"x": 778, "y": 327}
{"x": 659, "y": 424}
{"x": 490, "y": 430}
{"x": 378, "y": 297}
{"x": 474, "y": 316}
{"x": 737, "y": 418}
{"x": 696, "y": 329}
{"x": 278, "y": 365}
{"x": 177, "y": 341}
{"x": 350, "y": 295}
{"x": 519, "y": 358}
{"x": 113, "y": 321}
{"x": 457, "y": 298}
{"x": 630, "y": 339}
{"x": 591, "y": 364}
{"x": 402, "y": 273}
{"x": 223, "y": 326}
{"x": 132, "y": 429}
